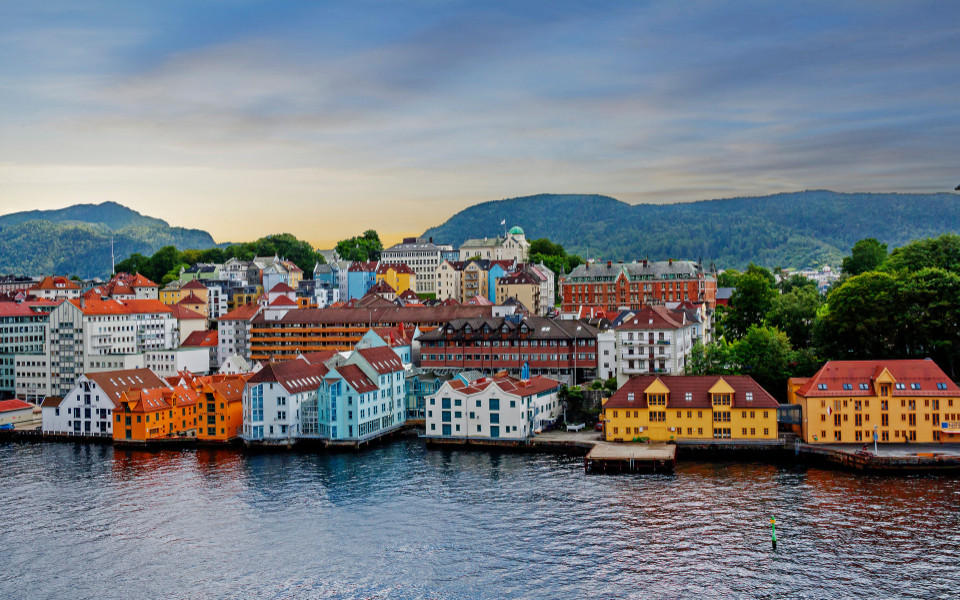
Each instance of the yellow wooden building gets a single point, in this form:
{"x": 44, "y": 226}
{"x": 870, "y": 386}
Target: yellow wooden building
{"x": 665, "y": 408}
{"x": 902, "y": 400}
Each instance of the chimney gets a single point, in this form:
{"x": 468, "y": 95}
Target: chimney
{"x": 644, "y": 262}
{"x": 431, "y": 240}
{"x": 671, "y": 262}
{"x": 609, "y": 263}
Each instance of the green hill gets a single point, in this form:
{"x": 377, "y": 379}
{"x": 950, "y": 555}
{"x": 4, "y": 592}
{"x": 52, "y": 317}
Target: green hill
{"x": 76, "y": 240}
{"x": 800, "y": 229}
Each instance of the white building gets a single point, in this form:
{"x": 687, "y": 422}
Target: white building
{"x": 607, "y": 354}
{"x": 90, "y": 335}
{"x": 234, "y": 330}
{"x": 273, "y": 398}
{"x": 421, "y": 255}
{"x": 492, "y": 408}
{"x": 514, "y": 246}
{"x": 54, "y": 288}
{"x": 656, "y": 340}
{"x": 167, "y": 363}
{"x": 87, "y": 408}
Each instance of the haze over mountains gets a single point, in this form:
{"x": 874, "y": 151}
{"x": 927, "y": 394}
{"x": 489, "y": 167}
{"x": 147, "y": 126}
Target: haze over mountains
{"x": 795, "y": 230}
{"x": 76, "y": 240}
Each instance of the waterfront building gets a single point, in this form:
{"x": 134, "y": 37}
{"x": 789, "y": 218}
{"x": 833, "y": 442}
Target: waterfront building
{"x": 148, "y": 414}
{"x": 219, "y": 405}
{"x": 312, "y": 330}
{"x": 87, "y": 408}
{"x": 19, "y": 414}
{"x": 606, "y": 354}
{"x": 655, "y": 340}
{"x": 492, "y": 408}
{"x": 690, "y": 407}
{"x": 418, "y": 384}
{"x": 54, "y": 288}
{"x": 514, "y": 246}
{"x": 901, "y": 400}
{"x": 612, "y": 286}
{"x": 565, "y": 350}
{"x": 234, "y": 332}
{"x": 421, "y": 255}
{"x": 273, "y": 399}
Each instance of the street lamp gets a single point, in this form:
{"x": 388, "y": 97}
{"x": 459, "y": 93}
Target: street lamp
{"x": 875, "y": 436}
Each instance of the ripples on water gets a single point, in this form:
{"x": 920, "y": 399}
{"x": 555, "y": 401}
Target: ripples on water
{"x": 85, "y": 521}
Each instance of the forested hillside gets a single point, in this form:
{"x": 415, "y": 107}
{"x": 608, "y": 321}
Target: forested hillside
{"x": 76, "y": 240}
{"x": 794, "y": 230}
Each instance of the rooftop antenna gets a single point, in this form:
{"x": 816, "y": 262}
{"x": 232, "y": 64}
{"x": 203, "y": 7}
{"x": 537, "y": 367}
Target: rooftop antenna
{"x": 113, "y": 258}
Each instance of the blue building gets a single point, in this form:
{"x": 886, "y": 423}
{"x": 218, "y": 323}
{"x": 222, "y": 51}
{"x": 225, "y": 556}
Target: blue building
{"x": 361, "y": 276}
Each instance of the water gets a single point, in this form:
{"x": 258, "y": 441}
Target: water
{"x": 86, "y": 521}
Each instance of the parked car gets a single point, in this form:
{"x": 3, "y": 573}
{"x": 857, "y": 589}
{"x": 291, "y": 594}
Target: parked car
{"x": 599, "y": 426}
{"x": 6, "y": 427}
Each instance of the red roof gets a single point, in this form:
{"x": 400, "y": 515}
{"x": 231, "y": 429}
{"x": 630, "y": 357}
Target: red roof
{"x": 295, "y": 375}
{"x": 191, "y": 299}
{"x": 381, "y": 287}
{"x": 193, "y": 284}
{"x": 282, "y": 301}
{"x": 182, "y": 313}
{"x": 315, "y": 358}
{"x": 656, "y": 317}
{"x": 13, "y": 309}
{"x": 281, "y": 288}
{"x": 95, "y": 306}
{"x": 397, "y": 268}
{"x": 54, "y": 283}
{"x": 201, "y": 339}
{"x": 242, "y": 313}
{"x": 911, "y": 378}
{"x": 697, "y": 386}
{"x": 382, "y": 359}
{"x": 8, "y": 405}
{"x": 409, "y": 295}
{"x": 141, "y": 281}
{"x": 356, "y": 378}
{"x": 507, "y": 384}
{"x": 114, "y": 383}
{"x": 478, "y": 300}
{"x": 366, "y": 267}
{"x": 145, "y": 306}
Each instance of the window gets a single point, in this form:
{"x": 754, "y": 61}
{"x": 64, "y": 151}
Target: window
{"x": 914, "y": 386}
{"x": 941, "y": 386}
{"x": 848, "y": 386}
{"x": 900, "y": 386}
{"x": 821, "y": 386}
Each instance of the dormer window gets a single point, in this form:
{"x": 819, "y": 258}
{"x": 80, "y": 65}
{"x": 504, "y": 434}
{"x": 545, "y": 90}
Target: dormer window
{"x": 688, "y": 396}
{"x": 749, "y": 396}
{"x": 941, "y": 386}
{"x": 864, "y": 386}
{"x": 848, "y": 386}
{"x": 630, "y": 397}
{"x": 914, "y": 386}
{"x": 900, "y": 386}
{"x": 821, "y": 386}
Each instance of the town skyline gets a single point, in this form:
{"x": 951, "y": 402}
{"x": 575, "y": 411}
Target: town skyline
{"x": 235, "y": 117}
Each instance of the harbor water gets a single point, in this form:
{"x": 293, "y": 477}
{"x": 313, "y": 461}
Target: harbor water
{"x": 401, "y": 521}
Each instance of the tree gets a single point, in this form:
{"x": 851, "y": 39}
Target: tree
{"x": 135, "y": 263}
{"x": 794, "y": 313}
{"x": 765, "y": 354}
{"x": 364, "y": 248}
{"x": 728, "y": 278}
{"x": 162, "y": 262}
{"x": 866, "y": 255}
{"x": 862, "y": 319}
{"x": 715, "y": 358}
{"x": 795, "y": 282}
{"x": 750, "y": 302}
{"x": 941, "y": 252}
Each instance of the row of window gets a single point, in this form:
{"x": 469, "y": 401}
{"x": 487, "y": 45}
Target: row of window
{"x": 743, "y": 414}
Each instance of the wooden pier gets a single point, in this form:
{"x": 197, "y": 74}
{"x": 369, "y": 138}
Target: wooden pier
{"x": 606, "y": 457}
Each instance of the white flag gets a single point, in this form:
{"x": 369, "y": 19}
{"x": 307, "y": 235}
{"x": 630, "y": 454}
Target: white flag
{"x": 503, "y": 222}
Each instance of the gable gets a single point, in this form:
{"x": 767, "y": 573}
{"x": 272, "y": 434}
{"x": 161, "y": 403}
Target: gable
{"x": 657, "y": 387}
{"x": 721, "y": 387}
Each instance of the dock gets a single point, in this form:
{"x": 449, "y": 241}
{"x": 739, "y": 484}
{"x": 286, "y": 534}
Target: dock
{"x": 889, "y": 458}
{"x": 607, "y": 457}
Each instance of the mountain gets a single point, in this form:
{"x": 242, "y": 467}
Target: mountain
{"x": 76, "y": 240}
{"x": 800, "y": 229}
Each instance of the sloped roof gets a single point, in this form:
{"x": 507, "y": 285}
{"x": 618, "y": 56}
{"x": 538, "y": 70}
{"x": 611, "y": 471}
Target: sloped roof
{"x": 382, "y": 359}
{"x": 201, "y": 339}
{"x": 281, "y": 288}
{"x": 655, "y": 317}
{"x": 114, "y": 383}
{"x": 295, "y": 375}
{"x": 507, "y": 384}
{"x": 282, "y": 301}
{"x": 54, "y": 283}
{"x": 182, "y": 313}
{"x": 242, "y": 313}
{"x": 191, "y": 299}
{"x": 356, "y": 378}
{"x": 193, "y": 284}
{"x": 925, "y": 374}
{"x": 9, "y": 405}
{"x": 697, "y": 386}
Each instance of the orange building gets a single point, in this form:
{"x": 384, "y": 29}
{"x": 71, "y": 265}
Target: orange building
{"x": 220, "y": 408}
{"x": 156, "y": 413}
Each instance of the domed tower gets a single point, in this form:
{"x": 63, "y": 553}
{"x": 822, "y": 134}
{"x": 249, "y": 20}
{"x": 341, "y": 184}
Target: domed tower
{"x": 517, "y": 242}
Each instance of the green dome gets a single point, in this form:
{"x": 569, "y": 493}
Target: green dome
{"x": 516, "y": 231}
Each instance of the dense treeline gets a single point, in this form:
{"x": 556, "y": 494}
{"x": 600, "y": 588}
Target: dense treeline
{"x": 803, "y": 229}
{"x": 885, "y": 306}
{"x": 164, "y": 265}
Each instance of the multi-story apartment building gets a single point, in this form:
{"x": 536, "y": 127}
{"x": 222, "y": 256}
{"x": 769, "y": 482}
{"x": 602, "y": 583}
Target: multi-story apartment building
{"x": 514, "y": 246}
{"x": 90, "y": 335}
{"x": 314, "y": 330}
{"x": 611, "y": 286}
{"x": 361, "y": 276}
{"x": 488, "y": 408}
{"x": 87, "y": 408}
{"x": 22, "y": 331}
{"x": 398, "y": 276}
{"x": 155, "y": 413}
{"x": 220, "y": 405}
{"x": 235, "y": 332}
{"x": 655, "y": 340}
{"x": 522, "y": 287}
{"x": 421, "y": 255}
{"x": 692, "y": 407}
{"x": 901, "y": 401}
{"x": 239, "y": 272}
{"x": 15, "y": 283}
{"x": 565, "y": 350}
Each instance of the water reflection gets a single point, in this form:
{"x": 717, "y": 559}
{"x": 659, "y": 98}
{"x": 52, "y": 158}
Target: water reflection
{"x": 399, "y": 521}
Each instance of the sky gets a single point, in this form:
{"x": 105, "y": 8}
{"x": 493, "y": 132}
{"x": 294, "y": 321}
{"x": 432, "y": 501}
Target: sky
{"x": 324, "y": 119}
